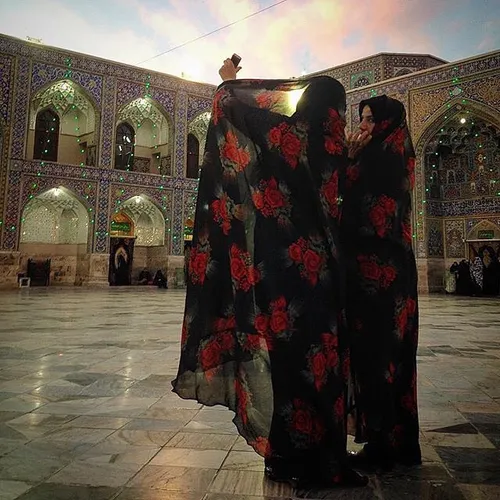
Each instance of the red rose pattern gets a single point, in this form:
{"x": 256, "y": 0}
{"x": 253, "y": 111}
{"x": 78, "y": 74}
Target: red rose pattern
{"x": 217, "y": 112}
{"x": 267, "y": 100}
{"x": 334, "y": 133}
{"x": 244, "y": 273}
{"x": 222, "y": 209}
{"x": 324, "y": 359}
{"x": 212, "y": 352}
{"x": 305, "y": 423}
{"x": 382, "y": 214}
{"x": 310, "y": 257}
{"x": 234, "y": 158}
{"x": 277, "y": 323}
{"x": 329, "y": 194}
{"x": 271, "y": 199}
{"x": 198, "y": 263}
{"x": 290, "y": 140}
{"x": 379, "y": 275}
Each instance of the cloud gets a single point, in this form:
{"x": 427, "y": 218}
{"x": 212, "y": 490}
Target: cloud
{"x": 490, "y": 36}
{"x": 274, "y": 43}
{"x": 59, "y": 25}
{"x": 278, "y": 43}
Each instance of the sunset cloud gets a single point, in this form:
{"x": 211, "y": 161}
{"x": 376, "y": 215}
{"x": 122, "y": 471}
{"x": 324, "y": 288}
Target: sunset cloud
{"x": 297, "y": 35}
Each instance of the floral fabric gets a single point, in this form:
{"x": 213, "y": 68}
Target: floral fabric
{"x": 382, "y": 305}
{"x": 264, "y": 326}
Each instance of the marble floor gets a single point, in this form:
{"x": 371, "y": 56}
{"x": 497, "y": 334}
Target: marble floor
{"x": 86, "y": 411}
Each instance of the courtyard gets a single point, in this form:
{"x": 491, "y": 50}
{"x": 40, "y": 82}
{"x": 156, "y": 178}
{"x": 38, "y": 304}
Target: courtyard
{"x": 87, "y": 413}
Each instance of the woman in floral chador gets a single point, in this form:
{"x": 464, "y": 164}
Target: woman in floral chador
{"x": 382, "y": 308}
{"x": 263, "y": 330}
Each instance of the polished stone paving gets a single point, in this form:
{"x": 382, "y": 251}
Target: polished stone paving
{"x": 86, "y": 411}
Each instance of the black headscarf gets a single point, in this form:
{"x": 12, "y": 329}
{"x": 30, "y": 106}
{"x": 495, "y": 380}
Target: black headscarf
{"x": 320, "y": 94}
{"x": 389, "y": 158}
{"x": 385, "y": 167}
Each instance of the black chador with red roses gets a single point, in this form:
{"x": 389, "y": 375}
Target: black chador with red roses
{"x": 382, "y": 309}
{"x": 263, "y": 330}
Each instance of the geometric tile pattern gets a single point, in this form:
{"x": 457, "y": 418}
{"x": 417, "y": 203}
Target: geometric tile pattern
{"x": 43, "y": 74}
{"x": 19, "y": 127}
{"x": 111, "y": 85}
{"x": 87, "y": 412}
{"x": 6, "y": 68}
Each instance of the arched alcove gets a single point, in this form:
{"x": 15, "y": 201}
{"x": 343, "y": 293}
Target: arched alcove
{"x": 55, "y": 217}
{"x": 55, "y": 227}
{"x": 148, "y": 228}
{"x": 458, "y": 176}
{"x": 149, "y": 223}
{"x": 153, "y": 134}
{"x": 63, "y": 125}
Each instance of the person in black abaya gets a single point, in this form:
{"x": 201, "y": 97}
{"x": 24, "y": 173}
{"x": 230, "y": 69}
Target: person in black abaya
{"x": 264, "y": 331}
{"x": 491, "y": 271}
{"x": 382, "y": 304}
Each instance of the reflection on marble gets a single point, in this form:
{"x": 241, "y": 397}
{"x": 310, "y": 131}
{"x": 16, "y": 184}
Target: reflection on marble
{"x": 87, "y": 412}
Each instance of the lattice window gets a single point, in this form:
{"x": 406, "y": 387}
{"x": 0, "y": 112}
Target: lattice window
{"x": 193, "y": 157}
{"x": 46, "y": 135}
{"x": 125, "y": 141}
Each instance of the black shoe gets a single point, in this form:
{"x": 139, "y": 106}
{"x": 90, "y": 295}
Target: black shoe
{"x": 345, "y": 478}
{"x": 371, "y": 461}
{"x": 281, "y": 472}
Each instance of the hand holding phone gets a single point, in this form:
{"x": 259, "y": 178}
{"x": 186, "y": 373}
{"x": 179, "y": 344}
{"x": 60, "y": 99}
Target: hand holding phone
{"x": 230, "y": 68}
{"x": 235, "y": 59}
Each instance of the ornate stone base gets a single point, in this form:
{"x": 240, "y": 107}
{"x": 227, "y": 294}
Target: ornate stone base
{"x": 9, "y": 269}
{"x": 175, "y": 271}
{"x": 431, "y": 274}
{"x": 97, "y": 271}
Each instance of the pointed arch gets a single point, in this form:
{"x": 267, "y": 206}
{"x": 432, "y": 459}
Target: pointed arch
{"x": 148, "y": 220}
{"x": 477, "y": 232}
{"x": 79, "y": 120}
{"x": 55, "y": 216}
{"x": 154, "y": 133}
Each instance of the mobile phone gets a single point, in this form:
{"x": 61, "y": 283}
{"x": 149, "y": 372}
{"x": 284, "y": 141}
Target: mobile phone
{"x": 235, "y": 59}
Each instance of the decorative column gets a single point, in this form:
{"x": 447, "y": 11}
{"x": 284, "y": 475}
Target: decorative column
{"x": 107, "y": 123}
{"x": 12, "y": 213}
{"x": 179, "y": 172}
{"x": 101, "y": 219}
{"x": 10, "y": 226}
{"x": 19, "y": 126}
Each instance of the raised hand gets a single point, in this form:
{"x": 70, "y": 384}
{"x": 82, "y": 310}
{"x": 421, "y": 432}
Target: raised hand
{"x": 356, "y": 141}
{"x": 228, "y": 71}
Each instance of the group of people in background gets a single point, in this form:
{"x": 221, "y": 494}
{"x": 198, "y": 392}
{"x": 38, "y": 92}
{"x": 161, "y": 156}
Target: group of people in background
{"x": 479, "y": 276}
{"x": 301, "y": 307}
{"x": 158, "y": 279}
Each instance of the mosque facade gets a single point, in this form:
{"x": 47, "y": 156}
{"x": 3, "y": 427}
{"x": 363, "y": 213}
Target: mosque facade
{"x": 100, "y": 160}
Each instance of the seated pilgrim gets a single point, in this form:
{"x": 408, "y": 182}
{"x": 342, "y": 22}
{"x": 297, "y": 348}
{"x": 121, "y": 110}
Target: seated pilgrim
{"x": 145, "y": 277}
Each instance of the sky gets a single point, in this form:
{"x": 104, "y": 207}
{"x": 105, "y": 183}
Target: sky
{"x": 295, "y": 37}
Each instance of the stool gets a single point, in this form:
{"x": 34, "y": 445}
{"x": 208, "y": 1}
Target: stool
{"x": 24, "y": 282}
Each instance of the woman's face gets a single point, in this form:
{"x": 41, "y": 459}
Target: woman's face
{"x": 367, "y": 123}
